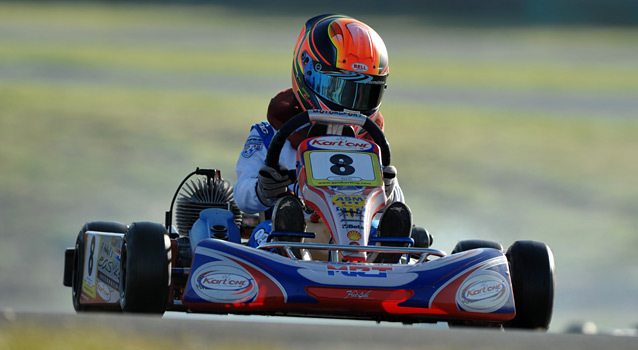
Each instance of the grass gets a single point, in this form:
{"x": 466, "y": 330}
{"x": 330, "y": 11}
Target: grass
{"x": 34, "y": 336}
{"x": 103, "y": 109}
{"x": 505, "y": 74}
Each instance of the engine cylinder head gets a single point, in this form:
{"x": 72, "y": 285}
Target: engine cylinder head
{"x": 203, "y": 193}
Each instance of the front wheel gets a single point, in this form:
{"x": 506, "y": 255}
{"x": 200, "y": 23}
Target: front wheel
{"x": 532, "y": 272}
{"x": 470, "y": 244}
{"x": 145, "y": 269}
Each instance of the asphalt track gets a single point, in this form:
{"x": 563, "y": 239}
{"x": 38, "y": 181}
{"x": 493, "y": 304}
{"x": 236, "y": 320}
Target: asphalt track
{"x": 290, "y": 333}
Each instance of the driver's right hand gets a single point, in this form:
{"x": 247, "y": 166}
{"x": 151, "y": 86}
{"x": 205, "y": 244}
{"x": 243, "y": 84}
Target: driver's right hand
{"x": 272, "y": 183}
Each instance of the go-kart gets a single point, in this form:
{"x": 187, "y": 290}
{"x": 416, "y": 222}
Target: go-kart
{"x": 204, "y": 264}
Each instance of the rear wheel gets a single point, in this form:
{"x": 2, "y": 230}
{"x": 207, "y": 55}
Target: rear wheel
{"x": 145, "y": 269}
{"x": 532, "y": 272}
{"x": 77, "y": 277}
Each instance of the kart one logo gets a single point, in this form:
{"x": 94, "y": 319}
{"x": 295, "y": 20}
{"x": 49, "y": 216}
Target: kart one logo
{"x": 340, "y": 143}
{"x": 484, "y": 292}
{"x": 223, "y": 281}
{"x": 359, "y": 271}
{"x": 104, "y": 291}
{"x": 220, "y": 283}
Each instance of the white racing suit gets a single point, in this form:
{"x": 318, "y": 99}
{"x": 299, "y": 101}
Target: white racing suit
{"x": 251, "y": 159}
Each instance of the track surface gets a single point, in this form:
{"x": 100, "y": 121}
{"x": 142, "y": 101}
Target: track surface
{"x": 288, "y": 333}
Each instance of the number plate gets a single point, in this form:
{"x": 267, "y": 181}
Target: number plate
{"x": 342, "y": 168}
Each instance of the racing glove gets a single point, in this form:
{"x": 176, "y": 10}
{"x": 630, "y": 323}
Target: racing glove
{"x": 272, "y": 183}
{"x": 389, "y": 180}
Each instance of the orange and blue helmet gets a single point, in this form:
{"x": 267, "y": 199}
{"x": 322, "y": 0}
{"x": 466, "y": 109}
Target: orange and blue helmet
{"x": 339, "y": 64}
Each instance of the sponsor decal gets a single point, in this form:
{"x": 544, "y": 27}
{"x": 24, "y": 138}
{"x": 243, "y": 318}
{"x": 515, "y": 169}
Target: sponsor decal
{"x": 340, "y": 143}
{"x": 382, "y": 296}
{"x": 224, "y": 281}
{"x": 350, "y": 204}
{"x": 354, "y": 235}
{"x": 359, "y": 67}
{"x": 107, "y": 249}
{"x": 103, "y": 291}
{"x": 264, "y": 128}
{"x": 357, "y": 276}
{"x": 334, "y": 113}
{"x": 92, "y": 254}
{"x": 357, "y": 226}
{"x": 114, "y": 283}
{"x": 108, "y": 264}
{"x": 260, "y": 236}
{"x": 224, "y": 284}
{"x": 484, "y": 292}
{"x": 359, "y": 271}
{"x": 355, "y": 294}
{"x": 106, "y": 293}
{"x": 251, "y": 146}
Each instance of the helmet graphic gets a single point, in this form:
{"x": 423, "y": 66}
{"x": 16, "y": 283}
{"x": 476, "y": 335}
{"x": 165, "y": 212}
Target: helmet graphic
{"x": 339, "y": 64}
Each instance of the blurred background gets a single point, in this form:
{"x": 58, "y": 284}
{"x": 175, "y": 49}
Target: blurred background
{"x": 508, "y": 120}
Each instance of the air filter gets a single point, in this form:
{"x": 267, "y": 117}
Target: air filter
{"x": 203, "y": 193}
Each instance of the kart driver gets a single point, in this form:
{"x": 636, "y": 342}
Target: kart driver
{"x": 339, "y": 64}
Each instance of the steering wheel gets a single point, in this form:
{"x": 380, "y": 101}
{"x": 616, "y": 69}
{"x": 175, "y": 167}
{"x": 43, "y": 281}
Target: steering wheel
{"x": 305, "y": 117}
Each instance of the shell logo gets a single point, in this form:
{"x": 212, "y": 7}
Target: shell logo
{"x": 354, "y": 235}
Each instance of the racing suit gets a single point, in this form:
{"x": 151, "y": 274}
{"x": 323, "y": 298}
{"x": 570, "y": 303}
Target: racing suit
{"x": 253, "y": 156}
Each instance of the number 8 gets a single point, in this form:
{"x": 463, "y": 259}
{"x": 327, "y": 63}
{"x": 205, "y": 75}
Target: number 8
{"x": 341, "y": 165}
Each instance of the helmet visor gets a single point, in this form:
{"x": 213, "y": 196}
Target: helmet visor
{"x": 350, "y": 90}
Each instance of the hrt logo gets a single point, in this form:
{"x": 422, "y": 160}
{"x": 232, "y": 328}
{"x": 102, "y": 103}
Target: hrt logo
{"x": 359, "y": 271}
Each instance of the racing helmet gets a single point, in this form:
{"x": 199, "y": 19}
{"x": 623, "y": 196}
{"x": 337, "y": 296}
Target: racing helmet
{"x": 339, "y": 64}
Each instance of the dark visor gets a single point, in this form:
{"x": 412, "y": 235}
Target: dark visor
{"x": 350, "y": 90}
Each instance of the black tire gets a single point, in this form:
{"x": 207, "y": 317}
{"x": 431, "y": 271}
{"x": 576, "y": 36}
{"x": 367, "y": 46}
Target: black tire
{"x": 78, "y": 259}
{"x": 145, "y": 269}
{"x": 470, "y": 244}
{"x": 422, "y": 238}
{"x": 532, "y": 272}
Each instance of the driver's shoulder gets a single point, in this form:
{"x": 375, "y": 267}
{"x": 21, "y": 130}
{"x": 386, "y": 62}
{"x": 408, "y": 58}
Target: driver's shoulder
{"x": 264, "y": 130}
